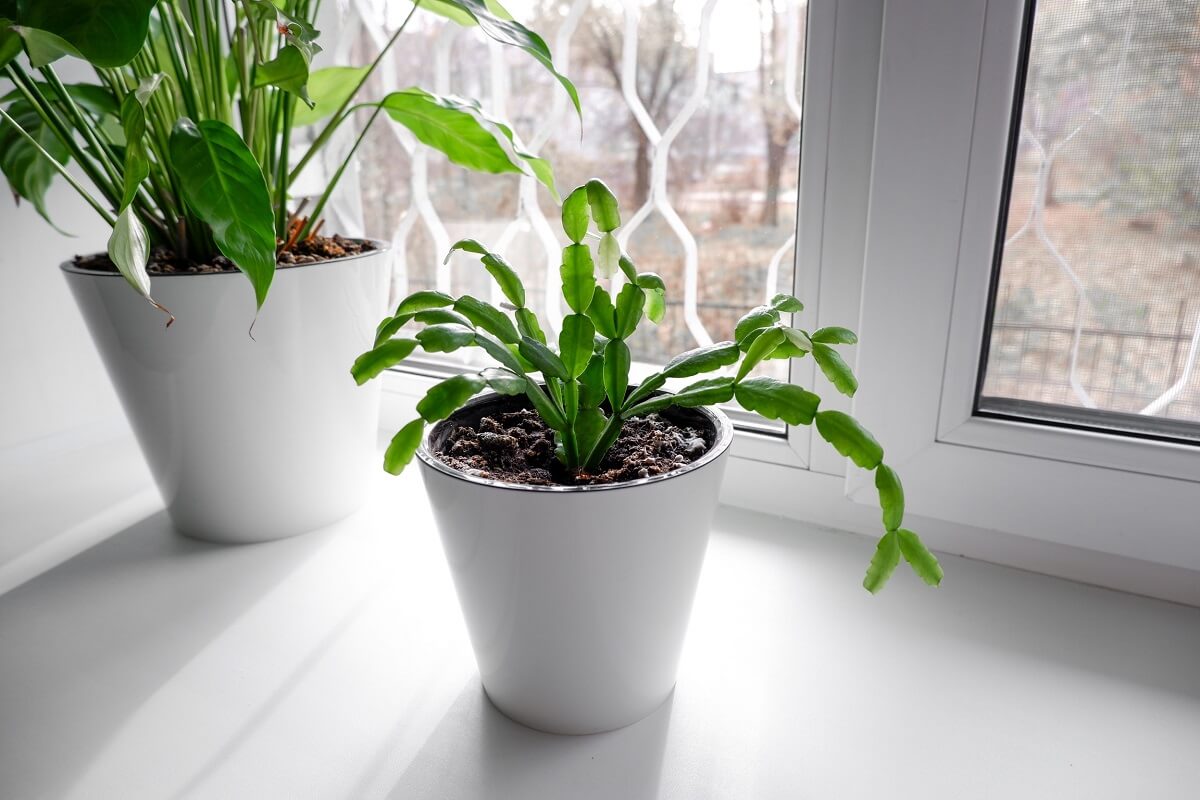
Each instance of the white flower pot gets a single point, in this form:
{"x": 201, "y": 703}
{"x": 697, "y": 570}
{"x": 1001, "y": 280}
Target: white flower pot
{"x": 249, "y": 439}
{"x": 577, "y": 598}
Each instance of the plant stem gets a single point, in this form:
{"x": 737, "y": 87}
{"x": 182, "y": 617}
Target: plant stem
{"x": 337, "y": 118}
{"x": 337, "y": 176}
{"x": 101, "y": 210}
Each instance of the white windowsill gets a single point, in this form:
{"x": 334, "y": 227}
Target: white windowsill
{"x": 336, "y": 665}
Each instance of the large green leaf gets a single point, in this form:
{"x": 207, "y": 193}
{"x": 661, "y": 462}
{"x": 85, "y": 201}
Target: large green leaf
{"x": 373, "y": 362}
{"x": 460, "y": 129}
{"x": 850, "y": 438}
{"x": 328, "y": 88}
{"x": 108, "y": 33}
{"x": 288, "y": 70}
{"x": 575, "y": 343}
{"x": 10, "y": 40}
{"x": 836, "y": 370}
{"x": 133, "y": 125}
{"x": 543, "y": 358}
{"x": 755, "y": 319}
{"x": 616, "y": 372}
{"x": 591, "y": 383}
{"x": 419, "y": 301}
{"x": 224, "y": 185}
{"x": 502, "y": 28}
{"x": 835, "y": 335}
{"x": 602, "y": 313}
{"x": 444, "y": 398}
{"x": 630, "y": 303}
{"x": 503, "y": 381}
{"x": 403, "y": 445}
{"x": 883, "y": 563}
{"x": 918, "y": 556}
{"x": 527, "y": 325}
{"x": 578, "y": 277}
{"x": 604, "y": 206}
{"x": 25, "y": 167}
{"x": 891, "y": 496}
{"x": 786, "y": 303}
{"x": 708, "y": 392}
{"x": 774, "y": 399}
{"x": 759, "y": 349}
{"x": 702, "y": 359}
{"x": 445, "y": 338}
{"x": 497, "y": 350}
{"x": 575, "y": 215}
{"x": 488, "y": 317}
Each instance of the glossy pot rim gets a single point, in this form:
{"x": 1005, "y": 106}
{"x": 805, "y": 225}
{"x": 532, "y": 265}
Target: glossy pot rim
{"x": 381, "y": 247}
{"x": 721, "y": 423}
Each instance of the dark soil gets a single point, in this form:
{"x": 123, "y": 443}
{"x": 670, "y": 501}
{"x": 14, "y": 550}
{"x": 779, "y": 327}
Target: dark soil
{"x": 165, "y": 262}
{"x": 518, "y": 447}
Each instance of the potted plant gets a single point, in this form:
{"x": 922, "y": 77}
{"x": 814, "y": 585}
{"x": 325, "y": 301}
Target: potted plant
{"x": 242, "y": 407}
{"x": 574, "y": 509}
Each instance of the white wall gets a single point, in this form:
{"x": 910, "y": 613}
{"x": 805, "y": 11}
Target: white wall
{"x": 51, "y": 378}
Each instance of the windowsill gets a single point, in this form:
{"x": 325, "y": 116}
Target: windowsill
{"x": 336, "y": 665}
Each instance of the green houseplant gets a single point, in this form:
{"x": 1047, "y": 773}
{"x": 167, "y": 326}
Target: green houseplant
{"x": 201, "y": 117}
{"x": 611, "y": 576}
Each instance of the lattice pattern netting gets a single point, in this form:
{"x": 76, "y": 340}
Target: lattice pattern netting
{"x": 1098, "y": 304}
{"x": 691, "y": 113}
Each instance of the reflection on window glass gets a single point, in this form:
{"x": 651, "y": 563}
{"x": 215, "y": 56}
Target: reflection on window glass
{"x": 1097, "y": 306}
{"x": 702, "y": 151}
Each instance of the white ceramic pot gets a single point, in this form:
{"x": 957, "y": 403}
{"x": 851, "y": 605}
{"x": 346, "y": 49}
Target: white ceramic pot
{"x": 577, "y": 598}
{"x": 249, "y": 439}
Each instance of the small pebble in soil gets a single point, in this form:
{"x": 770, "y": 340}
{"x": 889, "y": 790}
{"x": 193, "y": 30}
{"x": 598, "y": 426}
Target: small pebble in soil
{"x": 518, "y": 447}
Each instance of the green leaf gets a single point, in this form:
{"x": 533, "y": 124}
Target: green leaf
{"x": 28, "y": 171}
{"x": 328, "y": 88}
{"x": 575, "y": 343}
{"x": 591, "y": 383}
{"x": 891, "y": 496}
{"x": 578, "y": 277}
{"x": 43, "y": 47}
{"x": 629, "y": 268}
{"x": 107, "y": 33}
{"x": 224, "y": 185}
{"x": 608, "y": 256}
{"x": 835, "y": 369}
{"x": 439, "y": 316}
{"x": 883, "y": 563}
{"x": 759, "y": 349}
{"x": 373, "y": 362}
{"x": 499, "y": 351}
{"x": 403, "y": 446}
{"x": 616, "y": 372}
{"x": 10, "y": 40}
{"x": 630, "y": 303}
{"x": 656, "y": 305}
{"x": 527, "y": 325}
{"x": 288, "y": 70}
{"x": 488, "y": 317}
{"x": 755, "y": 319}
{"x": 835, "y": 335}
{"x": 650, "y": 280}
{"x": 774, "y": 399}
{"x": 129, "y": 249}
{"x": 575, "y": 215}
{"x": 589, "y": 424}
{"x": 918, "y": 556}
{"x": 702, "y": 359}
{"x": 545, "y": 407}
{"x": 799, "y": 340}
{"x": 296, "y": 31}
{"x": 707, "y": 392}
{"x": 602, "y": 314}
{"x": 502, "y": 28}
{"x": 445, "y": 338}
{"x": 444, "y": 398}
{"x": 504, "y": 275}
{"x": 786, "y": 303}
{"x": 604, "y": 206}
{"x": 419, "y": 301}
{"x": 389, "y": 327}
{"x": 460, "y": 129}
{"x": 542, "y": 358}
{"x": 502, "y": 381}
{"x": 850, "y": 438}
{"x": 133, "y": 125}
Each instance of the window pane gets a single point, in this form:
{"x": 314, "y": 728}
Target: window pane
{"x": 704, "y": 160}
{"x": 1097, "y": 298}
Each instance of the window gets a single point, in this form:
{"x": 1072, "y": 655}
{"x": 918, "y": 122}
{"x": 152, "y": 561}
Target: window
{"x": 692, "y": 112}
{"x": 1095, "y": 309}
